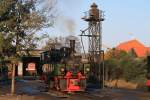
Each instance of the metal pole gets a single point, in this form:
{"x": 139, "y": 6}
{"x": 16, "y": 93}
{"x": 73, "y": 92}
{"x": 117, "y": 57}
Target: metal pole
{"x": 103, "y": 70}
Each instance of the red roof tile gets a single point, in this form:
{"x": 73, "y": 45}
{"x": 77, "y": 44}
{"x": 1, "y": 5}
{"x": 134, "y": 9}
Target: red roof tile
{"x": 138, "y": 47}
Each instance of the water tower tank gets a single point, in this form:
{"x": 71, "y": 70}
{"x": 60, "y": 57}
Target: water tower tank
{"x": 94, "y": 12}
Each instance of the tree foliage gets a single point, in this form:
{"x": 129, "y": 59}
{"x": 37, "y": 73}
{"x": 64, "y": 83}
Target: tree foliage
{"x": 19, "y": 22}
{"x": 122, "y": 65}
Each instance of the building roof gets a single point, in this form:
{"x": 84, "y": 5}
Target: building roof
{"x": 140, "y": 49}
{"x": 148, "y": 48}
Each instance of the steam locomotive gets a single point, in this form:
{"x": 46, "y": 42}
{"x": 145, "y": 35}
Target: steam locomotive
{"x": 63, "y": 69}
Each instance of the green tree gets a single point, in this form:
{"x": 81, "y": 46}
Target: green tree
{"x": 20, "y": 19}
{"x": 112, "y": 63}
{"x": 127, "y": 66}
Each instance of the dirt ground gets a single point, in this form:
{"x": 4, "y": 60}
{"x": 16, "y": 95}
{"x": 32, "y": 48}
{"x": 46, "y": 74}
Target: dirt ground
{"x": 35, "y": 90}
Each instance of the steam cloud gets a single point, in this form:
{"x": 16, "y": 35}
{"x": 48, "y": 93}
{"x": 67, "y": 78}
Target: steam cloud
{"x": 66, "y": 25}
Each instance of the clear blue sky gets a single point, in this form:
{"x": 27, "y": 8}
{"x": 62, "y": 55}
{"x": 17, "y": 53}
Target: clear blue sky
{"x": 124, "y": 19}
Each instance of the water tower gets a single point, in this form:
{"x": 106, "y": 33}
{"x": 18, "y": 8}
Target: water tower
{"x": 94, "y": 17}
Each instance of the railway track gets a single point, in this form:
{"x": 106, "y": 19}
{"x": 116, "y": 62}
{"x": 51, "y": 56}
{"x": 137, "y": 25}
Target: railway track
{"x": 58, "y": 94}
{"x": 85, "y": 95}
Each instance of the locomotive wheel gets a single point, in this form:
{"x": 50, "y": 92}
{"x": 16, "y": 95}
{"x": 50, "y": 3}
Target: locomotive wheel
{"x": 83, "y": 84}
{"x": 63, "y": 84}
{"x": 51, "y": 84}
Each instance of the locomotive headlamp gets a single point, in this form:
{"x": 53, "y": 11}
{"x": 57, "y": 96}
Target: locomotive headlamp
{"x": 87, "y": 69}
{"x": 62, "y": 69}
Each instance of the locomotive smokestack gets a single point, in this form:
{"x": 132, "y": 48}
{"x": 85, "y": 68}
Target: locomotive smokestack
{"x": 72, "y": 45}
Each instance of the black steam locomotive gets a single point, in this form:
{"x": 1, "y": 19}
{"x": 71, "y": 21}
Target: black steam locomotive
{"x": 63, "y": 69}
